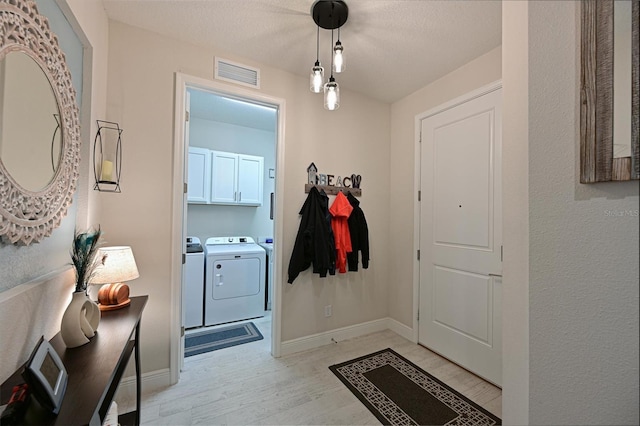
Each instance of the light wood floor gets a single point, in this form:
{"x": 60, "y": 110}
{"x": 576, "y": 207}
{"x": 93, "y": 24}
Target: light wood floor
{"x": 245, "y": 385}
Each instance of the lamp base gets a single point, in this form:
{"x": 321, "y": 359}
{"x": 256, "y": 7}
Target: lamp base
{"x": 113, "y": 296}
{"x": 114, "y": 307}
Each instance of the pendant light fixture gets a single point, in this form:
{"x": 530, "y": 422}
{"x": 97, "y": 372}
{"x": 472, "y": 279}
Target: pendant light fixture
{"x": 329, "y": 15}
{"x": 317, "y": 72}
{"x": 338, "y": 56}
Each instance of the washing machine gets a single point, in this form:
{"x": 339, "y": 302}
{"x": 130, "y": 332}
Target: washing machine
{"x": 234, "y": 279}
{"x": 193, "y": 285}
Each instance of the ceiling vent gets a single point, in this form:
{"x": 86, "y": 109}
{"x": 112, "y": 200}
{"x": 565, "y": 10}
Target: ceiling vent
{"x": 237, "y": 73}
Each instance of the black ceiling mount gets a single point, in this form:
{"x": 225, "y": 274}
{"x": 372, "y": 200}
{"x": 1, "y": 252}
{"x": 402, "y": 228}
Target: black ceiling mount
{"x": 329, "y": 14}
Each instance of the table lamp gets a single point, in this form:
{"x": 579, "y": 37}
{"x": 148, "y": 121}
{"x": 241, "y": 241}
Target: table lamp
{"x": 116, "y": 264}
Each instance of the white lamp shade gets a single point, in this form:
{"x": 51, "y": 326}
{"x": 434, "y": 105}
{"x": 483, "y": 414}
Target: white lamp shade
{"x": 115, "y": 265}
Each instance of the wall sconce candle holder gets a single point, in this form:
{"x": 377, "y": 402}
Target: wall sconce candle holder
{"x": 107, "y": 156}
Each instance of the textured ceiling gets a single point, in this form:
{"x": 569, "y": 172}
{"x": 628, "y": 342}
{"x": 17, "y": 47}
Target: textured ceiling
{"x": 392, "y": 47}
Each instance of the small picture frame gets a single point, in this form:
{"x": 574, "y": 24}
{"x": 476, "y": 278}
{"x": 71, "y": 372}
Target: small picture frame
{"x": 46, "y": 376}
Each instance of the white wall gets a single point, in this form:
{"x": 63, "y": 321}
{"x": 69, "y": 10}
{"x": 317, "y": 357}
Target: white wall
{"x": 483, "y": 70}
{"x": 205, "y": 221}
{"x": 91, "y": 21}
{"x": 39, "y": 305}
{"x": 582, "y": 241}
{"x": 354, "y": 139}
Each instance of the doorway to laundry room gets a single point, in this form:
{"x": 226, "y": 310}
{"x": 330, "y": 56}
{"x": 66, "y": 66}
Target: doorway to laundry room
{"x": 230, "y": 143}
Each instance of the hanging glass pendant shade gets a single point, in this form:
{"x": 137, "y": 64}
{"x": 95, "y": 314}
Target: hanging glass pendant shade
{"x": 331, "y": 95}
{"x": 338, "y": 56}
{"x": 317, "y": 72}
{"x": 317, "y": 78}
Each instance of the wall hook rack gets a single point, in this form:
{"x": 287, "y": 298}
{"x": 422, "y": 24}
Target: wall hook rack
{"x": 333, "y": 190}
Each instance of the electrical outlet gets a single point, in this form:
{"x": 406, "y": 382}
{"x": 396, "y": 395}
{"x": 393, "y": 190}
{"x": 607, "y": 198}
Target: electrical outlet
{"x": 327, "y": 311}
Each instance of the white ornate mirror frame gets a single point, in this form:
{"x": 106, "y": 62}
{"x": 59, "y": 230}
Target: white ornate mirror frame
{"x": 29, "y": 216}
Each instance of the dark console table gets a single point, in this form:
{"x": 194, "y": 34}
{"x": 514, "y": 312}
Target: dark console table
{"x": 95, "y": 369}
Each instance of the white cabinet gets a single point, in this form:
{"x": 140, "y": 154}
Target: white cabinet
{"x": 250, "y": 179}
{"x": 224, "y": 177}
{"x": 198, "y": 177}
{"x": 236, "y": 179}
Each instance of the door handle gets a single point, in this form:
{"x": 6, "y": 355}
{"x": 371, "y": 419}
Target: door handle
{"x": 239, "y": 196}
{"x": 271, "y": 206}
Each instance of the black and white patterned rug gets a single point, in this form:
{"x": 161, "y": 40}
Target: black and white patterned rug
{"x": 399, "y": 392}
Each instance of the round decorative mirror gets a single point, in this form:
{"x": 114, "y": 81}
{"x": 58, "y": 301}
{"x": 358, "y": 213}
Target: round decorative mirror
{"x": 39, "y": 126}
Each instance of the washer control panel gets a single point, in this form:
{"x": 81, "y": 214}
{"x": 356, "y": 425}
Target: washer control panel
{"x": 229, "y": 240}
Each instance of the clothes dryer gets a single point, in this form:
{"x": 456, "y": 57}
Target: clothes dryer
{"x": 234, "y": 280}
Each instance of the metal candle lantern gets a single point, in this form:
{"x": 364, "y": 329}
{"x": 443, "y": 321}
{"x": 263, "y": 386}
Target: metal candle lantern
{"x": 107, "y": 156}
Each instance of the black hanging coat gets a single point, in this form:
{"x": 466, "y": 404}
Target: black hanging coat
{"x": 359, "y": 235}
{"x": 314, "y": 241}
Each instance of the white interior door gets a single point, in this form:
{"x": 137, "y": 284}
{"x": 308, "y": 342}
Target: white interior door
{"x": 461, "y": 234}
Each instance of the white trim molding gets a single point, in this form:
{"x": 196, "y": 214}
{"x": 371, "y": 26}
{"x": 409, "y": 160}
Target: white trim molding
{"x": 182, "y": 82}
{"x": 151, "y": 382}
{"x": 335, "y": 336}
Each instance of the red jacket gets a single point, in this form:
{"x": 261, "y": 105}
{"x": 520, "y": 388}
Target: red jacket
{"x": 340, "y": 211}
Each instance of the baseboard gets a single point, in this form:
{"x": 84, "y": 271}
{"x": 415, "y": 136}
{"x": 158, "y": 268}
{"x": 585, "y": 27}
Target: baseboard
{"x": 401, "y": 329}
{"x": 151, "y": 381}
{"x": 333, "y": 336}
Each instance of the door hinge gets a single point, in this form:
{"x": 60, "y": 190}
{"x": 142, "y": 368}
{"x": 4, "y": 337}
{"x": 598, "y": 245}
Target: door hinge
{"x": 186, "y": 115}
{"x": 419, "y": 195}
{"x": 418, "y": 254}
{"x": 181, "y": 331}
{"x": 184, "y": 258}
{"x": 501, "y": 253}
{"x": 184, "y": 190}
{"x": 418, "y": 315}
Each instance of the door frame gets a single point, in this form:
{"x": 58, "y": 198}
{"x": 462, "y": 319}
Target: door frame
{"x": 178, "y": 244}
{"x": 491, "y": 87}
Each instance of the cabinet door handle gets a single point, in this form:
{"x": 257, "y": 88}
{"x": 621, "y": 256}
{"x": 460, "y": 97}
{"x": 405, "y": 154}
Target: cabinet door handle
{"x": 239, "y": 196}
{"x": 235, "y": 195}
